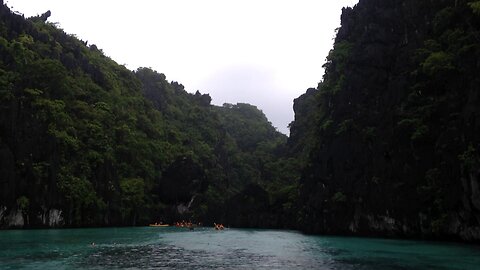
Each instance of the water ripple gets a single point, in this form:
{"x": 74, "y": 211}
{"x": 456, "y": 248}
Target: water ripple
{"x": 171, "y": 248}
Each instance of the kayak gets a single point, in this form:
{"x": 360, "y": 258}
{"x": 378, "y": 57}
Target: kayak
{"x": 158, "y": 225}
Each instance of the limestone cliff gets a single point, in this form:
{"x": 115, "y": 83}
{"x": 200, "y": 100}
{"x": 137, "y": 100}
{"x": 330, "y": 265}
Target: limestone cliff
{"x": 393, "y": 143}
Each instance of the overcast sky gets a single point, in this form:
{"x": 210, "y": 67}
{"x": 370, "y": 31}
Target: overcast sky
{"x": 263, "y": 52}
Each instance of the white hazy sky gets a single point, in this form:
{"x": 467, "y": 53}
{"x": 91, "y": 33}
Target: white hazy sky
{"x": 263, "y": 52}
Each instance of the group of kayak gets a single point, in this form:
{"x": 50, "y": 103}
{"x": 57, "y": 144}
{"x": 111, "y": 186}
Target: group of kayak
{"x": 184, "y": 224}
{"x": 218, "y": 226}
{"x": 158, "y": 224}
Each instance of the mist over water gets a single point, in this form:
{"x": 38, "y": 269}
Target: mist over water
{"x": 205, "y": 248}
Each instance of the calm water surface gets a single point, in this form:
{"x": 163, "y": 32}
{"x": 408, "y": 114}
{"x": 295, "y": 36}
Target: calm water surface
{"x": 205, "y": 248}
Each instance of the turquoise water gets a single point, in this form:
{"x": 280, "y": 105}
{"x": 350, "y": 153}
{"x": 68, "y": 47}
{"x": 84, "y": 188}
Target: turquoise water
{"x": 205, "y": 248}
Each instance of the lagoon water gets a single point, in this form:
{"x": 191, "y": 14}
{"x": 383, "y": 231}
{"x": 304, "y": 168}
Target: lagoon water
{"x": 205, "y": 248}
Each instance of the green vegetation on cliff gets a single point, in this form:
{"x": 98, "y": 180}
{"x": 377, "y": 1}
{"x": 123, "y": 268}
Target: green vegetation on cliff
{"x": 107, "y": 146}
{"x": 393, "y": 133}
{"x": 386, "y": 145}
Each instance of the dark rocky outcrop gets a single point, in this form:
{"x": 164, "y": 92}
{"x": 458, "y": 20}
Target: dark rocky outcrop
{"x": 16, "y": 218}
{"x": 395, "y": 146}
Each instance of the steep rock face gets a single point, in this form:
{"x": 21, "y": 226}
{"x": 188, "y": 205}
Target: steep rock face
{"x": 395, "y": 150}
{"x": 301, "y": 135}
{"x": 16, "y": 218}
{"x": 52, "y": 218}
{"x": 87, "y": 142}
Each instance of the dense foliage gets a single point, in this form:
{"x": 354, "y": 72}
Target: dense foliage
{"x": 386, "y": 145}
{"x": 107, "y": 146}
{"x": 392, "y": 130}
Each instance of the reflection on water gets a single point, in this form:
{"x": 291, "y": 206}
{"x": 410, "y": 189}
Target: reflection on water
{"x": 157, "y": 256}
{"x": 210, "y": 249}
{"x": 205, "y": 248}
